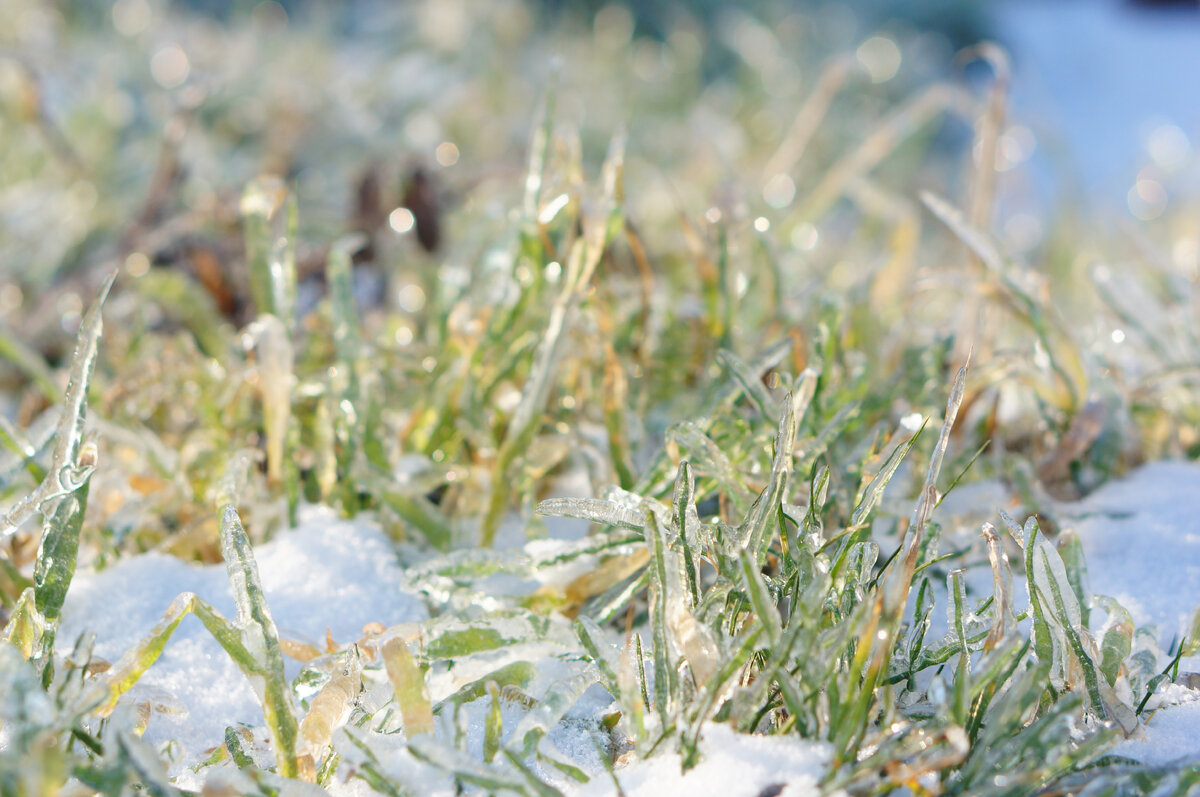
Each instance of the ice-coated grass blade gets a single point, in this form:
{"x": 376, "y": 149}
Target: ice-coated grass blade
{"x": 408, "y": 683}
{"x": 665, "y": 676}
{"x": 65, "y": 473}
{"x": 261, "y": 639}
{"x": 269, "y": 217}
{"x": 601, "y": 653}
{"x": 55, "y": 565}
{"x": 328, "y": 711}
{"x": 754, "y": 531}
{"x": 493, "y": 724}
{"x": 1191, "y": 645}
{"x": 273, "y": 347}
{"x": 1002, "y": 588}
{"x": 760, "y": 597}
{"x": 270, "y": 687}
{"x": 1117, "y": 643}
{"x": 880, "y": 481}
{"x": 62, "y": 495}
{"x": 596, "y": 510}
{"x": 1052, "y": 575}
{"x": 687, "y": 523}
{"x": 518, "y": 674}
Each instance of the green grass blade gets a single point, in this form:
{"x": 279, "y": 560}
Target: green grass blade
{"x": 262, "y": 639}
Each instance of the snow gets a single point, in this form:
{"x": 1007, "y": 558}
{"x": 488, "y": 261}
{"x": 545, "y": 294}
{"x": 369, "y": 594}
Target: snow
{"x": 733, "y": 765}
{"x": 327, "y": 573}
{"x": 1141, "y": 537}
{"x": 1172, "y": 734}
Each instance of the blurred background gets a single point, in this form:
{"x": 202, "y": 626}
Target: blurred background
{"x": 128, "y": 128}
{"x": 778, "y": 162}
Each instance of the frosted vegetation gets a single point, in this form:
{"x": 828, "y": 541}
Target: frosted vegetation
{"x": 737, "y": 448}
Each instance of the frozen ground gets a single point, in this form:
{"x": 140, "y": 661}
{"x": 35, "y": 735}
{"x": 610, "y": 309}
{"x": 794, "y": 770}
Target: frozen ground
{"x": 1141, "y": 536}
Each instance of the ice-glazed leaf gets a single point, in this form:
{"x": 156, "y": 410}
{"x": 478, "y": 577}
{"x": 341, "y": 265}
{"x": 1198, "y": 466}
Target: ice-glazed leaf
{"x": 328, "y": 711}
{"x": 558, "y": 699}
{"x": 957, "y": 611}
{"x": 686, "y": 520}
{"x": 880, "y": 481}
{"x": 234, "y": 738}
{"x": 24, "y": 627}
{"x": 1063, "y": 615}
{"x": 602, "y": 653}
{"x": 135, "y": 661}
{"x": 269, "y": 216}
{"x": 453, "y": 644}
{"x": 1002, "y": 588}
{"x": 449, "y": 637}
{"x": 581, "y": 263}
{"x": 753, "y": 533}
{"x": 273, "y": 347}
{"x": 1070, "y": 548}
{"x": 493, "y": 724}
{"x": 900, "y": 583}
{"x": 1191, "y": 645}
{"x": 1117, "y": 642}
{"x": 261, "y": 639}
{"x": 66, "y": 472}
{"x": 759, "y": 596}
{"x": 55, "y": 565}
{"x": 665, "y": 675}
{"x": 518, "y": 674}
{"x": 597, "y": 510}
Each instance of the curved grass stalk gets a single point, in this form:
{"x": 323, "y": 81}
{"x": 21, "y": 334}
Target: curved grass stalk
{"x": 66, "y": 473}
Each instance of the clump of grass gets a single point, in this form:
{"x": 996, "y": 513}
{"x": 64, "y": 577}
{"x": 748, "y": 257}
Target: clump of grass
{"x": 741, "y": 408}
